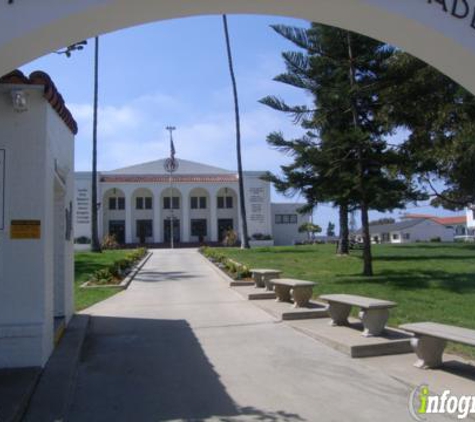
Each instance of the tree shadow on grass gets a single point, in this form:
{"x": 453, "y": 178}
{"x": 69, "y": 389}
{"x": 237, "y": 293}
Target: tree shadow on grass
{"x": 421, "y": 257}
{"x": 411, "y": 280}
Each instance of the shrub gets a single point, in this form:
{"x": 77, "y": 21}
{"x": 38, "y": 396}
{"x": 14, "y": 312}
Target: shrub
{"x": 260, "y": 236}
{"x": 436, "y": 239}
{"x": 230, "y": 238}
{"x": 82, "y": 240}
{"x": 109, "y": 242}
{"x": 103, "y": 276}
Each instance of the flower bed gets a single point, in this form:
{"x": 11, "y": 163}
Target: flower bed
{"x": 117, "y": 271}
{"x": 234, "y": 269}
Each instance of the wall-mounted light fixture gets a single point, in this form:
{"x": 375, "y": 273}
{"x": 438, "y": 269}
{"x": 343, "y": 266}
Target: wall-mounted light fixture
{"x": 19, "y": 101}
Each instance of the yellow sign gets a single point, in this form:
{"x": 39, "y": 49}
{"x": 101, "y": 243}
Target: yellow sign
{"x": 25, "y": 229}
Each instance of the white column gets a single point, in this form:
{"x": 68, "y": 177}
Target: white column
{"x": 128, "y": 217}
{"x": 186, "y": 215}
{"x": 213, "y": 205}
{"x": 157, "y": 217}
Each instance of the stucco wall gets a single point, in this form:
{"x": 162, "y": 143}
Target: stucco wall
{"x": 32, "y": 140}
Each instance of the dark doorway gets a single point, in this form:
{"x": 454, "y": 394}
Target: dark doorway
{"x": 144, "y": 230}
{"x": 117, "y": 229}
{"x": 176, "y": 230}
{"x": 224, "y": 224}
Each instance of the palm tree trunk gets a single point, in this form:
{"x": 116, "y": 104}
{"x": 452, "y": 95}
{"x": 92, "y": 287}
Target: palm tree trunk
{"x": 95, "y": 244}
{"x": 242, "y": 203}
{"x": 367, "y": 257}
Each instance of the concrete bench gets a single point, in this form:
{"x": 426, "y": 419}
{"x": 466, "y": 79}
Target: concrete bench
{"x": 262, "y": 277}
{"x": 431, "y": 338}
{"x": 374, "y": 312}
{"x": 301, "y": 291}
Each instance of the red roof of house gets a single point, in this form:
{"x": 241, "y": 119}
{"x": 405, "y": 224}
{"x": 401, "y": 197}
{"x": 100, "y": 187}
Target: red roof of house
{"x": 50, "y": 93}
{"x": 459, "y": 219}
{"x": 446, "y": 221}
{"x": 164, "y": 179}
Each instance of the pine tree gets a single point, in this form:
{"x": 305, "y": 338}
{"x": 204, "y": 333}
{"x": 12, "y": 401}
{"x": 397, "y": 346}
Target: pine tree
{"x": 348, "y": 161}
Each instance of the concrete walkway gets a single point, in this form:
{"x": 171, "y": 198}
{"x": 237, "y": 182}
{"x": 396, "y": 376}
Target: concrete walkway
{"x": 180, "y": 345}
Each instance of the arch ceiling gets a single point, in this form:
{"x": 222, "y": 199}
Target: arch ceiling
{"x": 441, "y": 32}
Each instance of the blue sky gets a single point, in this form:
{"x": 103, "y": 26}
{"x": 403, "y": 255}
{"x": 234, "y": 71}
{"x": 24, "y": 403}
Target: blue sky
{"x": 175, "y": 73}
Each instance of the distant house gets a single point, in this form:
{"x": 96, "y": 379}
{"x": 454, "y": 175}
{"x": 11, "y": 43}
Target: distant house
{"x": 407, "y": 231}
{"x": 456, "y": 223}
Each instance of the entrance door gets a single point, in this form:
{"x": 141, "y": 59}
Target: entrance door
{"x": 224, "y": 224}
{"x": 176, "y": 230}
{"x": 117, "y": 229}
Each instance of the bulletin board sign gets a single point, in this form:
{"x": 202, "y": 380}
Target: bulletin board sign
{"x": 25, "y": 229}
{"x": 2, "y": 189}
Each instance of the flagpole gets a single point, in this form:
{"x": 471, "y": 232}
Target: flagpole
{"x": 171, "y": 169}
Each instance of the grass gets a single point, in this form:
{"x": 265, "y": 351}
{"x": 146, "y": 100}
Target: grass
{"x": 430, "y": 282}
{"x": 85, "y": 264}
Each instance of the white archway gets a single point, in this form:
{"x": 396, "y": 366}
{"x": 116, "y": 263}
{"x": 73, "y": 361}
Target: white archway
{"x": 444, "y": 36}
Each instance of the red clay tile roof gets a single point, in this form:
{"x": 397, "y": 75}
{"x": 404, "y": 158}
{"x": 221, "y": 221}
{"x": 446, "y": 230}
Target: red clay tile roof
{"x": 50, "y": 93}
{"x": 446, "y": 221}
{"x": 459, "y": 219}
{"x": 165, "y": 179}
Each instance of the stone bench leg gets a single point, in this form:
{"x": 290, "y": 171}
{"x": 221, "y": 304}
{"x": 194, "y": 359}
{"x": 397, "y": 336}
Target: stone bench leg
{"x": 429, "y": 350}
{"x": 301, "y": 296}
{"x": 282, "y": 293}
{"x": 338, "y": 313}
{"x": 258, "y": 280}
{"x": 374, "y": 321}
{"x": 267, "y": 279}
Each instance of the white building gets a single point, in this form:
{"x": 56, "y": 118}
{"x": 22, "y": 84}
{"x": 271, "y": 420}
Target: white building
{"x": 410, "y": 230}
{"x": 470, "y": 221}
{"x": 36, "y": 200}
{"x": 137, "y": 204}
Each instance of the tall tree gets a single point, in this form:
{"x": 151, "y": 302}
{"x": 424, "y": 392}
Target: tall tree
{"x": 345, "y": 73}
{"x": 95, "y": 244}
{"x": 242, "y": 200}
{"x": 438, "y": 115}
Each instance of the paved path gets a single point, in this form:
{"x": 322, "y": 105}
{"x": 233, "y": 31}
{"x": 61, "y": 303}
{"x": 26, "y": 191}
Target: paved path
{"x": 180, "y": 345}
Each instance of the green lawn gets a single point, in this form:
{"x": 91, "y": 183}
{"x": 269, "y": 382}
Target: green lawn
{"x": 85, "y": 264}
{"x": 430, "y": 282}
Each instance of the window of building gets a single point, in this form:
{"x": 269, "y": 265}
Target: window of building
{"x": 395, "y": 236}
{"x": 198, "y": 202}
{"x": 175, "y": 200}
{"x": 286, "y": 219}
{"x": 407, "y": 236}
{"x": 116, "y": 203}
{"x": 385, "y": 237}
{"x": 199, "y": 227}
{"x": 225, "y": 202}
{"x": 143, "y": 203}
